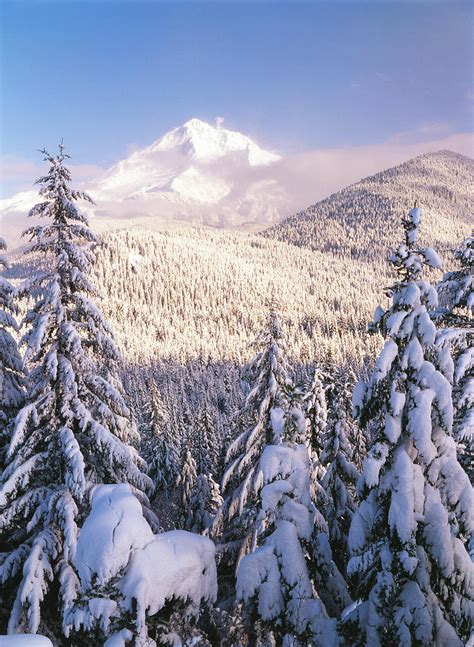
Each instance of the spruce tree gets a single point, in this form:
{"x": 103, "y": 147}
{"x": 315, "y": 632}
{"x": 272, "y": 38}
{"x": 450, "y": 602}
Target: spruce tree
{"x": 269, "y": 375}
{"x": 187, "y": 480}
{"x": 315, "y": 407}
{"x": 340, "y": 476}
{"x": 409, "y": 564}
{"x": 269, "y": 516}
{"x": 274, "y": 584}
{"x": 204, "y": 501}
{"x": 455, "y": 317}
{"x": 11, "y": 365}
{"x": 74, "y": 429}
{"x": 164, "y": 446}
{"x": 206, "y": 441}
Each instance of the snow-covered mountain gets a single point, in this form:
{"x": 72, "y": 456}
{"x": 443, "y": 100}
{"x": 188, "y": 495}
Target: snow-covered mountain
{"x": 186, "y": 166}
{"x": 363, "y": 220}
{"x": 198, "y": 173}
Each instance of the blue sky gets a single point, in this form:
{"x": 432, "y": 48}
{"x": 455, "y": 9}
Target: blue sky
{"x": 109, "y": 75}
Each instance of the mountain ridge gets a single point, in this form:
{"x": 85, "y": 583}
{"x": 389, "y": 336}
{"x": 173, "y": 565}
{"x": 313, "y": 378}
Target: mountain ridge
{"x": 366, "y": 215}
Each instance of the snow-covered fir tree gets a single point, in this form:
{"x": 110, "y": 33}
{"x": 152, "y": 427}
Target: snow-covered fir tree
{"x": 207, "y": 444}
{"x": 74, "y": 429}
{"x": 315, "y": 408}
{"x": 187, "y": 480}
{"x": 270, "y": 506}
{"x": 280, "y": 605}
{"x": 340, "y": 473}
{"x": 11, "y": 365}
{"x": 269, "y": 375}
{"x": 204, "y": 501}
{"x": 163, "y": 445}
{"x": 409, "y": 565}
{"x": 455, "y": 317}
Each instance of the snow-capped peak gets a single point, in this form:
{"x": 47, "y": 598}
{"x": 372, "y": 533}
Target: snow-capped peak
{"x": 202, "y": 141}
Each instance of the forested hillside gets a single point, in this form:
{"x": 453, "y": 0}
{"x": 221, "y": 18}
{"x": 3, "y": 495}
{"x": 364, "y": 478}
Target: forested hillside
{"x": 200, "y": 292}
{"x": 361, "y": 220}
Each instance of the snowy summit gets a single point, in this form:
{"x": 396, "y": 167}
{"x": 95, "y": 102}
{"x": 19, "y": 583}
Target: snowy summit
{"x": 194, "y": 172}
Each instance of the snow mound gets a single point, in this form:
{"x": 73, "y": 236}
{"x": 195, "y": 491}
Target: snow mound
{"x": 25, "y": 640}
{"x": 118, "y": 557}
{"x": 114, "y": 529}
{"x": 177, "y": 564}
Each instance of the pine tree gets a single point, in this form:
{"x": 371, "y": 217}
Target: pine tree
{"x": 164, "y": 445}
{"x": 204, "y": 501}
{"x": 11, "y": 365}
{"x": 270, "y": 377}
{"x": 74, "y": 429}
{"x": 409, "y": 563}
{"x": 455, "y": 316}
{"x": 338, "y": 481}
{"x": 187, "y": 480}
{"x": 315, "y": 407}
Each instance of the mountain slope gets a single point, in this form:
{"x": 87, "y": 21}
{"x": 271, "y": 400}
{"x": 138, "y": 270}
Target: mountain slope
{"x": 363, "y": 220}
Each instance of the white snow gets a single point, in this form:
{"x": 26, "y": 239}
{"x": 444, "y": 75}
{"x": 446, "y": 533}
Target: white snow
{"x": 25, "y": 640}
{"x": 116, "y": 547}
{"x": 200, "y": 140}
{"x": 114, "y": 529}
{"x": 175, "y": 564}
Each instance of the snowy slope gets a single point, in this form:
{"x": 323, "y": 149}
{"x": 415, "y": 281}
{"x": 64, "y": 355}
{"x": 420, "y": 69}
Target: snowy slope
{"x": 363, "y": 220}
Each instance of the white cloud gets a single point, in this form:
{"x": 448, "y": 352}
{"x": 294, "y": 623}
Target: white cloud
{"x": 19, "y": 174}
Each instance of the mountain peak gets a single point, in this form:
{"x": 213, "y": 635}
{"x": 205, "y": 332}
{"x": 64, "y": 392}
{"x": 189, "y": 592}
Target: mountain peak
{"x": 202, "y": 141}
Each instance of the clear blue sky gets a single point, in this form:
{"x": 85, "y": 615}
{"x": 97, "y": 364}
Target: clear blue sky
{"x": 106, "y": 75}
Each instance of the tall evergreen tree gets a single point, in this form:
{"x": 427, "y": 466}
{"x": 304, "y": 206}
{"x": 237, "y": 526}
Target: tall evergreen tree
{"x": 409, "y": 563}
{"x": 204, "y": 501}
{"x": 455, "y": 316}
{"x": 280, "y": 605}
{"x": 270, "y": 376}
{"x": 11, "y": 365}
{"x": 269, "y": 516}
{"x": 74, "y": 429}
{"x": 340, "y": 476}
{"x": 187, "y": 481}
{"x": 206, "y": 441}
{"x": 315, "y": 407}
{"x": 164, "y": 445}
